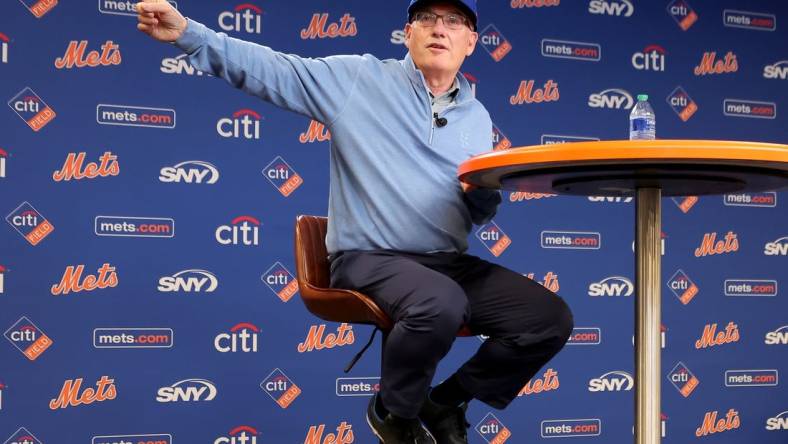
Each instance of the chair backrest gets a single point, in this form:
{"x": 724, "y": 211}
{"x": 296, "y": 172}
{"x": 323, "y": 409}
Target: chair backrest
{"x": 311, "y": 256}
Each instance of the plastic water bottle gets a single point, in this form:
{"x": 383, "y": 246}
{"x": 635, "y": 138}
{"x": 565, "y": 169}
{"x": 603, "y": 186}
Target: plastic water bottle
{"x": 642, "y": 122}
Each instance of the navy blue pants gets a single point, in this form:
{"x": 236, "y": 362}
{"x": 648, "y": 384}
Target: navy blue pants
{"x": 430, "y": 296}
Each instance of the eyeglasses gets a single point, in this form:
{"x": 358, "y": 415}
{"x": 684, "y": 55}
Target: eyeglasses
{"x": 451, "y": 21}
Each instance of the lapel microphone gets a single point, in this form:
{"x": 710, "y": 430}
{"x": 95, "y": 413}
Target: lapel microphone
{"x": 440, "y": 122}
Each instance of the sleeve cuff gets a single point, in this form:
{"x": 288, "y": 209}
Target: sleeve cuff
{"x": 193, "y": 36}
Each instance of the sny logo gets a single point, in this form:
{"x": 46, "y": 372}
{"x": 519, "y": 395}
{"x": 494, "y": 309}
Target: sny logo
{"x": 4, "y": 40}
{"x": 31, "y": 224}
{"x": 493, "y": 238}
{"x": 682, "y": 378}
{"x": 245, "y": 230}
{"x": 685, "y": 203}
{"x": 245, "y": 123}
{"x": 28, "y": 338}
{"x": 190, "y": 281}
{"x": 319, "y": 28}
{"x": 682, "y": 287}
{"x": 190, "y": 171}
{"x": 280, "y": 281}
{"x": 779, "y": 422}
{"x": 494, "y": 42}
{"x": 188, "y": 390}
{"x": 526, "y": 94}
{"x": 711, "y": 337}
{"x": 777, "y": 337}
{"x": 612, "y": 286}
{"x": 682, "y": 13}
{"x": 711, "y": 246}
{"x": 749, "y": 20}
{"x": 651, "y": 59}
{"x": 611, "y": 7}
{"x": 315, "y": 340}
{"x": 75, "y": 55}
{"x": 280, "y": 388}
{"x": 282, "y": 176}
{"x": 499, "y": 139}
{"x": 344, "y": 434}
{"x": 22, "y": 436}
{"x": 778, "y": 70}
{"x": 239, "y": 339}
{"x": 179, "y": 65}
{"x": 70, "y": 395}
{"x": 492, "y": 430}
{"x": 316, "y": 132}
{"x": 245, "y": 17}
{"x": 39, "y": 7}
{"x": 609, "y": 199}
{"x": 711, "y": 425}
{"x": 73, "y": 167}
{"x": 548, "y": 382}
{"x": 614, "y": 381}
{"x": 612, "y": 98}
{"x": 779, "y": 247}
{"x": 682, "y": 104}
{"x": 30, "y": 108}
{"x": 239, "y": 435}
{"x": 107, "y": 278}
{"x": 710, "y": 65}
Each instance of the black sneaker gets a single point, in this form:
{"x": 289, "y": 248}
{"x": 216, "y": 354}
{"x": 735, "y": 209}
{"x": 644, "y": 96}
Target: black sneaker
{"x": 447, "y": 424}
{"x": 394, "y": 430}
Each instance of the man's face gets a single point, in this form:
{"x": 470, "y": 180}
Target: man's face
{"x": 438, "y": 48}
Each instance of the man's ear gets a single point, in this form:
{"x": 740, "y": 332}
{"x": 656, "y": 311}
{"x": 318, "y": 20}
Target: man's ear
{"x": 408, "y": 32}
{"x": 472, "y": 39}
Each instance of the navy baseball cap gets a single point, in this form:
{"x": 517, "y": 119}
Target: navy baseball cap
{"x": 466, "y": 6}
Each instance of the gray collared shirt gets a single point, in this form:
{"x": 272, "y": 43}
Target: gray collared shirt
{"x": 443, "y": 101}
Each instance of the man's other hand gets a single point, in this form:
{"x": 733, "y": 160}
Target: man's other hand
{"x": 160, "y": 20}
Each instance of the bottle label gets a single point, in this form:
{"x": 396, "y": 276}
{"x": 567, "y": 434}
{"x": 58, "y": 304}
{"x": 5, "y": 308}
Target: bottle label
{"x": 640, "y": 124}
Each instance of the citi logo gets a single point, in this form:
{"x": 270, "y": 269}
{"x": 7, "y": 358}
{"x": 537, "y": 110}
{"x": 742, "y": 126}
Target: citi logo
{"x": 711, "y": 246}
{"x": 29, "y": 223}
{"x": 779, "y": 422}
{"x": 190, "y": 171}
{"x": 494, "y": 42}
{"x": 343, "y": 435}
{"x": 239, "y": 435}
{"x": 610, "y": 199}
{"x": 712, "y": 337}
{"x": 319, "y": 28}
{"x": 612, "y": 286}
{"x": 4, "y": 48}
{"x": 777, "y": 337}
{"x": 492, "y": 430}
{"x": 22, "y": 436}
{"x": 499, "y": 139}
{"x": 614, "y": 381}
{"x": 243, "y": 18}
{"x": 682, "y": 379}
{"x": 682, "y": 104}
{"x": 76, "y": 55}
{"x": 282, "y": 176}
{"x": 243, "y": 230}
{"x": 526, "y": 93}
{"x": 710, "y": 65}
{"x": 189, "y": 281}
{"x": 28, "y": 338}
{"x": 280, "y": 281}
{"x": 712, "y": 425}
{"x": 30, "y": 108}
{"x": 280, "y": 388}
{"x": 245, "y": 124}
{"x": 519, "y": 4}
{"x": 70, "y": 393}
{"x": 682, "y": 14}
{"x": 188, "y": 390}
{"x": 779, "y": 247}
{"x": 617, "y": 8}
{"x": 493, "y": 238}
{"x": 3, "y": 157}
{"x": 549, "y": 381}
{"x": 242, "y": 338}
{"x": 2, "y": 278}
{"x": 75, "y": 167}
{"x": 612, "y": 99}
{"x": 651, "y": 59}
{"x": 316, "y": 132}
{"x": 315, "y": 339}
{"x": 682, "y": 287}
{"x": 777, "y": 70}
{"x": 73, "y": 281}
{"x": 179, "y": 65}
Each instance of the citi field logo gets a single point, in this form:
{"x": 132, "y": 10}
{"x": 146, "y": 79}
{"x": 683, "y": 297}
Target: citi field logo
{"x": 585, "y": 336}
{"x": 749, "y": 20}
{"x": 682, "y": 13}
{"x": 190, "y": 171}
{"x": 612, "y": 286}
{"x": 709, "y": 64}
{"x": 282, "y": 176}
{"x": 615, "y": 381}
{"x": 3, "y": 157}
{"x": 343, "y": 435}
{"x": 779, "y": 422}
{"x": 130, "y": 226}
{"x": 750, "y": 287}
{"x": 685, "y": 203}
{"x": 245, "y": 17}
{"x": 567, "y": 49}
{"x": 280, "y": 388}
{"x": 76, "y": 55}
{"x": 550, "y": 281}
{"x": 319, "y": 28}
{"x": 553, "y": 139}
{"x": 27, "y": 338}
{"x": 241, "y": 338}
{"x": 751, "y": 378}
{"x": 519, "y": 4}
{"x": 493, "y": 238}
{"x": 22, "y": 436}
{"x": 611, "y": 99}
{"x": 76, "y": 168}
{"x": 611, "y": 7}
{"x": 778, "y": 70}
{"x": 683, "y": 380}
{"x": 548, "y": 382}
{"x": 777, "y": 337}
{"x": 4, "y": 40}
{"x": 116, "y": 7}
{"x": 572, "y": 240}
{"x": 564, "y": 428}
{"x": 30, "y": 108}
{"x": 682, "y": 104}
{"x": 70, "y": 395}
{"x": 29, "y": 223}
{"x": 652, "y": 58}
{"x": 39, "y": 7}
{"x": 711, "y": 337}
{"x": 316, "y": 339}
{"x": 712, "y": 425}
{"x": 316, "y": 132}
{"x": 499, "y": 139}
{"x": 519, "y": 196}
{"x": 358, "y": 386}
{"x": 766, "y": 199}
{"x": 189, "y": 281}
{"x": 526, "y": 93}
{"x": 133, "y": 338}
{"x": 494, "y": 42}
{"x": 492, "y": 430}
{"x": 240, "y": 435}
{"x": 610, "y": 199}
{"x": 710, "y": 245}
{"x": 749, "y": 108}
{"x": 280, "y": 281}
{"x": 682, "y": 287}
{"x": 243, "y": 230}
{"x": 244, "y": 124}
{"x": 133, "y": 439}
{"x": 73, "y": 281}
{"x": 179, "y": 65}
{"x": 188, "y": 390}
{"x": 141, "y": 116}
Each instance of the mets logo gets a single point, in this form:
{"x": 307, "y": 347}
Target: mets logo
{"x": 492, "y": 430}
{"x": 712, "y": 425}
{"x": 30, "y": 108}
{"x": 316, "y": 132}
{"x": 493, "y": 238}
{"x": 282, "y": 176}
{"x": 519, "y": 4}
{"x": 526, "y": 93}
{"x": 27, "y": 338}
{"x": 319, "y": 28}
{"x": 343, "y": 435}
{"x": 70, "y": 393}
{"x": 712, "y": 337}
{"x": 682, "y": 287}
{"x": 682, "y": 378}
{"x": 280, "y": 388}
{"x": 549, "y": 381}
{"x": 22, "y": 436}
{"x": 711, "y": 246}
{"x": 682, "y": 13}
{"x": 709, "y": 64}
{"x": 494, "y": 42}
{"x": 28, "y": 222}
{"x": 682, "y": 104}
{"x": 280, "y": 281}
{"x": 76, "y": 55}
